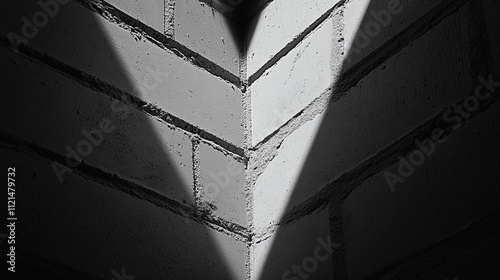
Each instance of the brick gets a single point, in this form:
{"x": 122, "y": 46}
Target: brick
{"x": 207, "y": 32}
{"x": 95, "y": 229}
{"x": 360, "y": 21}
{"x": 151, "y": 14}
{"x": 385, "y": 105}
{"x": 274, "y": 191}
{"x": 114, "y": 55}
{"x": 223, "y": 184}
{"x": 302, "y": 244}
{"x": 455, "y": 186}
{"x": 291, "y": 84}
{"x": 55, "y": 114}
{"x": 84, "y": 224}
{"x": 277, "y": 25}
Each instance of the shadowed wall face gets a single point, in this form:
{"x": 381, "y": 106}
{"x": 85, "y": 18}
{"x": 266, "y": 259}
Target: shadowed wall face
{"x": 188, "y": 139}
{"x": 374, "y": 125}
{"x": 112, "y": 128}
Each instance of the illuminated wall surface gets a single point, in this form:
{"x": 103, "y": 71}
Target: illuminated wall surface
{"x": 231, "y": 139}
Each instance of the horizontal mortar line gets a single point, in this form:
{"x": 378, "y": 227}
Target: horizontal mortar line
{"x": 115, "y": 181}
{"x": 125, "y": 21}
{"x": 444, "y": 252}
{"x": 305, "y": 114}
{"x": 226, "y": 152}
{"x": 339, "y": 189}
{"x": 201, "y": 206}
{"x": 265, "y": 234}
{"x": 295, "y": 42}
{"x": 357, "y": 72}
{"x": 400, "y": 41}
{"x": 105, "y": 88}
{"x": 374, "y": 60}
{"x": 52, "y": 266}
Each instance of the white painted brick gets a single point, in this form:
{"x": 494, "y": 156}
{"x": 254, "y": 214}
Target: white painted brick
{"x": 274, "y": 189}
{"x": 296, "y": 244}
{"x": 54, "y": 115}
{"x": 207, "y": 32}
{"x": 455, "y": 186}
{"x": 277, "y": 25}
{"x": 299, "y": 77}
{"x": 113, "y": 54}
{"x": 358, "y": 18}
{"x": 151, "y": 13}
{"x": 223, "y": 184}
{"x": 95, "y": 229}
{"x": 384, "y": 106}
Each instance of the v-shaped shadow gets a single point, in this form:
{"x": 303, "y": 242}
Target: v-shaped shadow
{"x": 94, "y": 224}
{"x": 336, "y": 147}
{"x": 108, "y": 218}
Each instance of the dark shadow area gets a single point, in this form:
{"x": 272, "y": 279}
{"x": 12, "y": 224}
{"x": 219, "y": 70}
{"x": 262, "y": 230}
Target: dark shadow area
{"x": 248, "y": 9}
{"x": 242, "y": 32}
{"x": 337, "y": 148}
{"x": 60, "y": 235}
{"x": 242, "y": 17}
{"x": 93, "y": 223}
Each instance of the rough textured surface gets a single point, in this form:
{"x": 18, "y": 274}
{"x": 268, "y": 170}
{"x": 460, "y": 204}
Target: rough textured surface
{"x": 253, "y": 151}
{"x": 222, "y": 184}
{"x": 129, "y": 62}
{"x": 463, "y": 185}
{"x": 369, "y": 24}
{"x": 207, "y": 32}
{"x": 278, "y": 25}
{"x": 158, "y": 155}
{"x": 129, "y": 233}
{"x": 291, "y": 84}
{"x": 374, "y": 109}
{"x": 146, "y": 13}
{"x": 301, "y": 244}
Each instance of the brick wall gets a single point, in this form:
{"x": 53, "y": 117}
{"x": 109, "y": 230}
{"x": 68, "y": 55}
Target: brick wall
{"x": 116, "y": 117}
{"x": 358, "y": 135}
{"x": 188, "y": 139}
